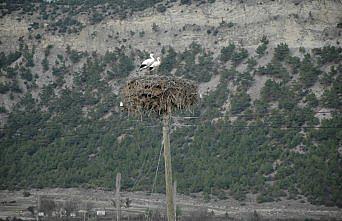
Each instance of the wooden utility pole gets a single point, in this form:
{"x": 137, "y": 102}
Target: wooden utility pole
{"x": 160, "y": 94}
{"x": 117, "y": 196}
{"x": 39, "y": 204}
{"x": 168, "y": 168}
{"x": 174, "y": 198}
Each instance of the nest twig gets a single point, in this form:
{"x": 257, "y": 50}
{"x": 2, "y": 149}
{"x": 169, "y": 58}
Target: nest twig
{"x": 158, "y": 94}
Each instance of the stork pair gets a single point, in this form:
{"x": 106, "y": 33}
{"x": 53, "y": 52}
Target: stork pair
{"x": 150, "y": 63}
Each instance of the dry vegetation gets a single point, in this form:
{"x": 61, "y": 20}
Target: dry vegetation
{"x": 156, "y": 94}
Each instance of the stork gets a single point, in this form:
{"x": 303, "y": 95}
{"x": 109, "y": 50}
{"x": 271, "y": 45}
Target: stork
{"x": 147, "y": 63}
{"x": 155, "y": 64}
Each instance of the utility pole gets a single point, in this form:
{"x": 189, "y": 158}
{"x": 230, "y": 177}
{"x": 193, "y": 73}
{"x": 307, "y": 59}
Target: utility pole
{"x": 168, "y": 168}
{"x": 117, "y": 196}
{"x": 39, "y": 205}
{"x": 160, "y": 95}
{"x": 174, "y": 198}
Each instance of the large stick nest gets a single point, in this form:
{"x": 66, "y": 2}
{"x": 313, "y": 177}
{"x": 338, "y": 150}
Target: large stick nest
{"x": 158, "y": 94}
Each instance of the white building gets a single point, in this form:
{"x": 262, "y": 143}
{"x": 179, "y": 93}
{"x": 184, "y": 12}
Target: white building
{"x": 101, "y": 213}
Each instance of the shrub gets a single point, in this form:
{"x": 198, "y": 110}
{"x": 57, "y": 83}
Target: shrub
{"x": 311, "y": 100}
{"x": 227, "y": 52}
{"x": 26, "y": 74}
{"x": 295, "y": 63}
{"x": 155, "y": 27}
{"x": 251, "y": 63}
{"x": 161, "y": 8}
{"x": 281, "y": 51}
{"x": 330, "y": 97}
{"x": 123, "y": 67}
{"x": 308, "y": 73}
{"x": 45, "y": 64}
{"x": 141, "y": 34}
{"x": 328, "y": 54}
{"x": 274, "y": 69}
{"x": 261, "y": 49}
{"x": 3, "y": 109}
{"x": 26, "y": 194}
{"x": 96, "y": 18}
{"x": 169, "y": 61}
{"x": 264, "y": 40}
{"x": 239, "y": 56}
{"x": 271, "y": 91}
{"x": 185, "y": 2}
{"x": 75, "y": 56}
{"x": 47, "y": 50}
{"x": 4, "y": 88}
{"x": 240, "y": 102}
{"x": 263, "y": 198}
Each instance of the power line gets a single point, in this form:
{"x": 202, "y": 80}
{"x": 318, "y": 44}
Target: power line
{"x": 263, "y": 126}
{"x": 82, "y": 135}
{"x": 86, "y": 135}
{"x": 190, "y": 117}
{"x": 157, "y": 169}
{"x": 256, "y": 115}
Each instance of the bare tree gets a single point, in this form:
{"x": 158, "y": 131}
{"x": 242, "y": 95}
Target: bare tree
{"x": 70, "y": 206}
{"x": 47, "y": 206}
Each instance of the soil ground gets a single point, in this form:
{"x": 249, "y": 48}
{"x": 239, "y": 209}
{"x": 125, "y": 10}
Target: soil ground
{"x": 14, "y": 204}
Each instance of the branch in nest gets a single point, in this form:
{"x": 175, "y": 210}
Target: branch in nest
{"x": 158, "y": 94}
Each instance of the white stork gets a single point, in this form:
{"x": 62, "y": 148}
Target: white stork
{"x": 155, "y": 64}
{"x": 147, "y": 63}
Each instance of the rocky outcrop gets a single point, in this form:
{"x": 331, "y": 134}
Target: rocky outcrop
{"x": 298, "y": 23}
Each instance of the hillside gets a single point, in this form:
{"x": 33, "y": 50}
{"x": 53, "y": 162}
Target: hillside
{"x": 269, "y": 122}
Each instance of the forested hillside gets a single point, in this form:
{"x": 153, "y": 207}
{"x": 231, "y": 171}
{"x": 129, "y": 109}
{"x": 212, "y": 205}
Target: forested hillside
{"x": 271, "y": 125}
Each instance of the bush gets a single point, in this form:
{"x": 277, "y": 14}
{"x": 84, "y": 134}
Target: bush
{"x": 58, "y": 71}
{"x": 311, "y": 100}
{"x": 155, "y": 27}
{"x": 271, "y": 91}
{"x": 141, "y": 34}
{"x": 240, "y": 102}
{"x": 123, "y": 67}
{"x": 45, "y": 64}
{"x": 251, "y": 63}
{"x": 47, "y": 50}
{"x": 66, "y": 25}
{"x": 26, "y": 194}
{"x": 185, "y": 2}
{"x": 4, "y": 88}
{"x": 294, "y": 63}
{"x": 11, "y": 72}
{"x": 261, "y": 49}
{"x": 330, "y": 97}
{"x": 169, "y": 61}
{"x": 161, "y": 8}
{"x": 328, "y": 54}
{"x": 238, "y": 57}
{"x": 3, "y": 109}
{"x": 263, "y": 198}
{"x": 75, "y": 56}
{"x": 264, "y": 40}
{"x": 227, "y": 52}
{"x": 274, "y": 69}
{"x": 308, "y": 73}
{"x": 96, "y": 18}
{"x": 26, "y": 74}
{"x": 281, "y": 51}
